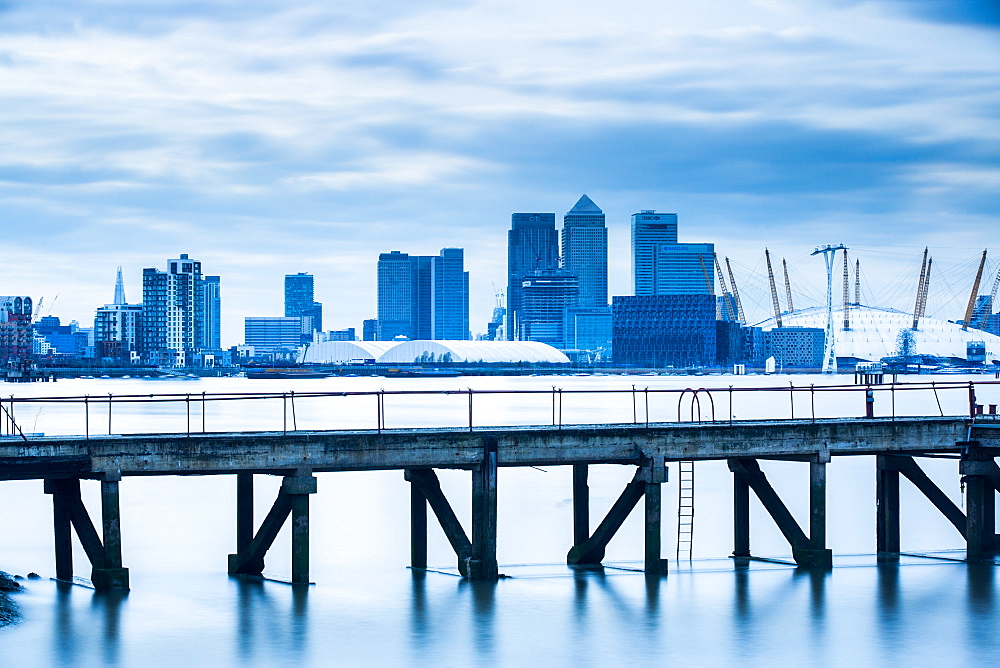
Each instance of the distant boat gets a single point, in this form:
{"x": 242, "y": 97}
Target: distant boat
{"x": 421, "y": 373}
{"x": 286, "y": 373}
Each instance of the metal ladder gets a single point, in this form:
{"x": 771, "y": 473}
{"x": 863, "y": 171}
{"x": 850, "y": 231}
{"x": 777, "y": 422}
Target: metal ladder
{"x": 685, "y": 510}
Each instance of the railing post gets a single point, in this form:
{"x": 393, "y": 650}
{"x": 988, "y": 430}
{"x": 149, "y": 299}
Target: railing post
{"x": 470, "y": 409}
{"x": 86, "y": 413}
{"x": 109, "y": 413}
{"x": 869, "y": 402}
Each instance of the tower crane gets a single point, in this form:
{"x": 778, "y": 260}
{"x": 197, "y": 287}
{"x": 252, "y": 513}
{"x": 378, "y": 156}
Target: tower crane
{"x": 709, "y": 285}
{"x": 774, "y": 290}
{"x": 974, "y": 294}
{"x": 736, "y": 292}
{"x": 788, "y": 286}
{"x": 920, "y": 290}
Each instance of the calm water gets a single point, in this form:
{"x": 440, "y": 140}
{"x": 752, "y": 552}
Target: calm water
{"x": 367, "y": 608}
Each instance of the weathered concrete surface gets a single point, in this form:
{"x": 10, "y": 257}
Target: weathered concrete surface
{"x": 276, "y": 452}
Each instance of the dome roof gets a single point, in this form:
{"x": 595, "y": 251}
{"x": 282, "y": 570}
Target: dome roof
{"x": 475, "y": 351}
{"x": 875, "y": 332}
{"x": 406, "y": 352}
{"x": 337, "y": 352}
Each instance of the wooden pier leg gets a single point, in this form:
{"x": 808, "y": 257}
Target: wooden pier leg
{"x": 484, "y": 516}
{"x": 980, "y": 506}
{"x": 741, "y": 517}
{"x": 418, "y": 528}
{"x": 62, "y": 529}
{"x": 655, "y": 565}
{"x": 581, "y": 504}
{"x": 298, "y": 488}
{"x": 110, "y": 575}
{"x": 887, "y": 509}
{"x": 817, "y": 505}
{"x": 244, "y": 510}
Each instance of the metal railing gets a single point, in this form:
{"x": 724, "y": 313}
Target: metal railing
{"x": 193, "y": 413}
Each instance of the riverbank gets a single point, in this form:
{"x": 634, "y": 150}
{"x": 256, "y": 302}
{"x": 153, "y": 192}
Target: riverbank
{"x": 9, "y": 613}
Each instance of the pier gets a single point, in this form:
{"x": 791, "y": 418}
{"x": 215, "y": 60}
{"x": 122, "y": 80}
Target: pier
{"x": 650, "y": 447}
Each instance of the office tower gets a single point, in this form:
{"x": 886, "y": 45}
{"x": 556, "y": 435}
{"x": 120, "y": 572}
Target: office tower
{"x": 212, "y": 300}
{"x": 664, "y": 330}
{"x": 116, "y": 327}
{"x": 585, "y": 251}
{"x": 661, "y": 265}
{"x": 450, "y": 287}
{"x": 649, "y": 230}
{"x": 545, "y": 296}
{"x": 589, "y": 328}
{"x": 269, "y": 335}
{"x": 300, "y": 303}
{"x": 423, "y": 297}
{"x": 532, "y": 246}
{"x": 174, "y": 310}
{"x": 369, "y": 329}
{"x": 395, "y": 296}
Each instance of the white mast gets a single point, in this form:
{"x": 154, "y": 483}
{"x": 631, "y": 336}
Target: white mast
{"x": 829, "y": 347}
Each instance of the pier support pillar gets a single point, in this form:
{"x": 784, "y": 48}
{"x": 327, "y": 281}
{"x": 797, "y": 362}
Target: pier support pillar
{"x": 293, "y": 499}
{"x": 741, "y": 518}
{"x": 816, "y": 554}
{"x": 426, "y": 482}
{"x": 977, "y": 470}
{"x": 110, "y": 575}
{"x": 581, "y": 503}
{"x": 654, "y": 473}
{"x": 483, "y": 565}
{"x": 418, "y": 528}
{"x": 70, "y": 514}
{"x": 887, "y": 510}
{"x": 244, "y": 510}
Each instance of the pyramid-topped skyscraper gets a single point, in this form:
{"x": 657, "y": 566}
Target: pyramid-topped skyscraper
{"x": 585, "y": 251}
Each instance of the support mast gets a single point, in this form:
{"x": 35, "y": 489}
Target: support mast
{"x": 974, "y": 294}
{"x": 774, "y": 290}
{"x": 829, "y": 348}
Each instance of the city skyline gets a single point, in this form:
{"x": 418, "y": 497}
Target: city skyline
{"x": 134, "y": 132}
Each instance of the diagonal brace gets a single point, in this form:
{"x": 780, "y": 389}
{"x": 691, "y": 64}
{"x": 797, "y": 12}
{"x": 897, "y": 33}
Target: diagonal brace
{"x": 749, "y": 471}
{"x": 426, "y": 481}
{"x": 250, "y": 561}
{"x": 591, "y": 551}
{"x": 912, "y": 471}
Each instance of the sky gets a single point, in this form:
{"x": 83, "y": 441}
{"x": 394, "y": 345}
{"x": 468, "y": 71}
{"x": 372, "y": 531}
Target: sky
{"x": 267, "y": 138}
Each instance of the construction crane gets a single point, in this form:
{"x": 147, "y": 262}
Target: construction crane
{"x": 974, "y": 294}
{"x": 847, "y": 294}
{"x": 726, "y": 297}
{"x": 736, "y": 292}
{"x": 988, "y": 311}
{"x": 788, "y": 286}
{"x": 774, "y": 290}
{"x": 920, "y": 290}
{"x": 857, "y": 282}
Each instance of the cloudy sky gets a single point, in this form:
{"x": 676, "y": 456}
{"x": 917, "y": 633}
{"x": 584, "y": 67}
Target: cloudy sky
{"x": 268, "y": 137}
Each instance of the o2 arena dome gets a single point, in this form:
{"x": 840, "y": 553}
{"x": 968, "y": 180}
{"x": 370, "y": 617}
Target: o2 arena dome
{"x": 874, "y": 333}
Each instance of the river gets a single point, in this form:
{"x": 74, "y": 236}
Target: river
{"x": 367, "y": 608}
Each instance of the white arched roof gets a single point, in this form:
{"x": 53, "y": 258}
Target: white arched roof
{"x": 337, "y": 352}
{"x": 874, "y": 333}
{"x": 474, "y": 351}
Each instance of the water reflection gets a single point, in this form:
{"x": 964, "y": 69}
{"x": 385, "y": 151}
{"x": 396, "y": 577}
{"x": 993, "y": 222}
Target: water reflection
{"x": 262, "y": 618}
{"x": 72, "y": 635}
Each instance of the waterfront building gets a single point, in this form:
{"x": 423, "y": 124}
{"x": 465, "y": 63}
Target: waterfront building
{"x": 300, "y": 303}
{"x": 796, "y": 346}
{"x": 589, "y": 328}
{"x": 15, "y": 329}
{"x": 212, "y": 301}
{"x": 52, "y": 338}
{"x": 663, "y": 266}
{"x": 116, "y": 327}
{"x": 532, "y": 246}
{"x": 423, "y": 297}
{"x": 664, "y": 330}
{"x": 369, "y": 329}
{"x": 545, "y": 296}
{"x": 269, "y": 335}
{"x": 173, "y": 327}
{"x": 585, "y": 251}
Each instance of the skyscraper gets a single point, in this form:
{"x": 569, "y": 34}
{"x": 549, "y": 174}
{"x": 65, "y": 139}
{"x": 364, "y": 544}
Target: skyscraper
{"x": 423, "y": 296}
{"x": 545, "y": 296}
{"x": 212, "y": 299}
{"x": 649, "y": 230}
{"x": 300, "y": 303}
{"x": 174, "y": 312}
{"x": 585, "y": 251}
{"x": 532, "y": 246}
{"x": 661, "y": 265}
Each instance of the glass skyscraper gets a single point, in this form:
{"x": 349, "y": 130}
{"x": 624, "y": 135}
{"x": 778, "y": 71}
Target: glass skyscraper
{"x": 423, "y": 297}
{"x": 300, "y": 303}
{"x": 585, "y": 251}
{"x": 532, "y": 246}
{"x": 661, "y": 265}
